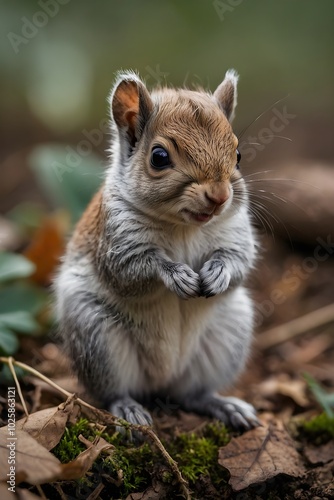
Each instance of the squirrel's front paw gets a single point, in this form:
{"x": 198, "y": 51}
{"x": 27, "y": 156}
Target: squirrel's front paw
{"x": 182, "y": 280}
{"x": 215, "y": 278}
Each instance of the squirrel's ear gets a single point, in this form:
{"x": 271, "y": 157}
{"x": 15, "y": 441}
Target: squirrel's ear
{"x": 226, "y": 94}
{"x": 131, "y": 106}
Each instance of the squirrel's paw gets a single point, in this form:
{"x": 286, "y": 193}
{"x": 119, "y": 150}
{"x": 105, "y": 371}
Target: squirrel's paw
{"x": 182, "y": 280}
{"x": 214, "y": 277}
{"x": 232, "y": 411}
{"x": 131, "y": 411}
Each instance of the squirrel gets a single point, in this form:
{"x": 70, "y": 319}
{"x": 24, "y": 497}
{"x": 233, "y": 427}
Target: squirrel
{"x": 149, "y": 295}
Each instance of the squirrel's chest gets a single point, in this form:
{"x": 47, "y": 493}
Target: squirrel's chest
{"x": 169, "y": 334}
{"x": 192, "y": 250}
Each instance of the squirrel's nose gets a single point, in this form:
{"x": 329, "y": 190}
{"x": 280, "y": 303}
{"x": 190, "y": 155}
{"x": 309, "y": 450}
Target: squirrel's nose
{"x": 218, "y": 194}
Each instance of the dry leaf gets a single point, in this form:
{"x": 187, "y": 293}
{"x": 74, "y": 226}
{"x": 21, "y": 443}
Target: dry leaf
{"x": 33, "y": 463}
{"x": 320, "y": 454}
{"x": 21, "y": 494}
{"x": 10, "y": 237}
{"x": 78, "y": 467}
{"x": 294, "y": 389}
{"x": 259, "y": 455}
{"x": 48, "y": 426}
{"x": 24, "y": 494}
{"x": 46, "y": 249}
{"x": 5, "y": 494}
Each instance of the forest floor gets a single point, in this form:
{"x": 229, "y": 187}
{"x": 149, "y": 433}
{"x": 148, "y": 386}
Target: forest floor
{"x": 290, "y": 456}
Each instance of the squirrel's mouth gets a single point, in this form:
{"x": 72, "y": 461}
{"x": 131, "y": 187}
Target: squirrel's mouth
{"x": 198, "y": 216}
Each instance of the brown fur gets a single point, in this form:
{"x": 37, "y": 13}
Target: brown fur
{"x": 208, "y": 140}
{"x": 89, "y": 229}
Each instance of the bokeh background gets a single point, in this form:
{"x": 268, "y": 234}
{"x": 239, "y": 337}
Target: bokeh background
{"x": 58, "y": 64}
{"x": 58, "y": 60}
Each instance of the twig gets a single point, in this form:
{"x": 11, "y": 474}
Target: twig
{"x": 292, "y": 329}
{"x": 96, "y": 493}
{"x": 59, "y": 491}
{"x": 41, "y": 492}
{"x": 171, "y": 462}
{"x": 11, "y": 362}
{"x": 108, "y": 419}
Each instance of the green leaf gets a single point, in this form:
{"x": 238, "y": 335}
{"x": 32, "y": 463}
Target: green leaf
{"x": 9, "y": 343}
{"x": 67, "y": 177}
{"x": 13, "y": 266}
{"x": 19, "y": 321}
{"x": 326, "y": 400}
{"x": 22, "y": 297}
{"x": 27, "y": 216}
{"x": 6, "y": 376}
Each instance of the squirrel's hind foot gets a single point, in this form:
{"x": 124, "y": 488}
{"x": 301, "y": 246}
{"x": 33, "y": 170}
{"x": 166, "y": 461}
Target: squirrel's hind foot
{"x": 131, "y": 411}
{"x": 232, "y": 411}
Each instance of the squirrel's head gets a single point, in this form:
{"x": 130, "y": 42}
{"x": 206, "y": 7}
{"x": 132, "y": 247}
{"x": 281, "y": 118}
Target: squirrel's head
{"x": 175, "y": 152}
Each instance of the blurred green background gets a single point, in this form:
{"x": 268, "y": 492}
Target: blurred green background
{"x": 58, "y": 59}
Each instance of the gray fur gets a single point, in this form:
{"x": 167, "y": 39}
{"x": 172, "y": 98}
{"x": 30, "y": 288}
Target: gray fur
{"x": 159, "y": 308}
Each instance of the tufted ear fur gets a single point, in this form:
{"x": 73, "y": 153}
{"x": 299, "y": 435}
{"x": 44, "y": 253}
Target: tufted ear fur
{"x": 226, "y": 94}
{"x": 131, "y": 106}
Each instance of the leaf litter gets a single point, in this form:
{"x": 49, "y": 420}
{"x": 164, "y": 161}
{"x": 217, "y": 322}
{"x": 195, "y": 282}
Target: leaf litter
{"x": 259, "y": 455}
{"x": 270, "y": 455}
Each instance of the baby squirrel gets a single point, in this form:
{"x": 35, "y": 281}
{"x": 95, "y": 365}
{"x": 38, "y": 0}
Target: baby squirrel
{"x": 149, "y": 296}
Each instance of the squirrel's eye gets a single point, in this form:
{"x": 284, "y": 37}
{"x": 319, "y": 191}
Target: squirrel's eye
{"x": 160, "y": 158}
{"x": 238, "y": 156}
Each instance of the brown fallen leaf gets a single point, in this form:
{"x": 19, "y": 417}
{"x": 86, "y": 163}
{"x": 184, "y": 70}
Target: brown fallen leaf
{"x": 294, "y": 389}
{"x": 10, "y": 237}
{"x": 24, "y": 494}
{"x": 46, "y": 249}
{"x": 4, "y": 493}
{"x": 259, "y": 455}
{"x": 47, "y": 426}
{"x": 20, "y": 494}
{"x": 320, "y": 454}
{"x": 33, "y": 463}
{"x": 84, "y": 461}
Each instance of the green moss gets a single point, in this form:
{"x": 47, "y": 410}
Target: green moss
{"x": 197, "y": 455}
{"x": 135, "y": 462}
{"x": 69, "y": 446}
{"x": 320, "y": 428}
{"x": 136, "y": 465}
{"x": 218, "y": 433}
